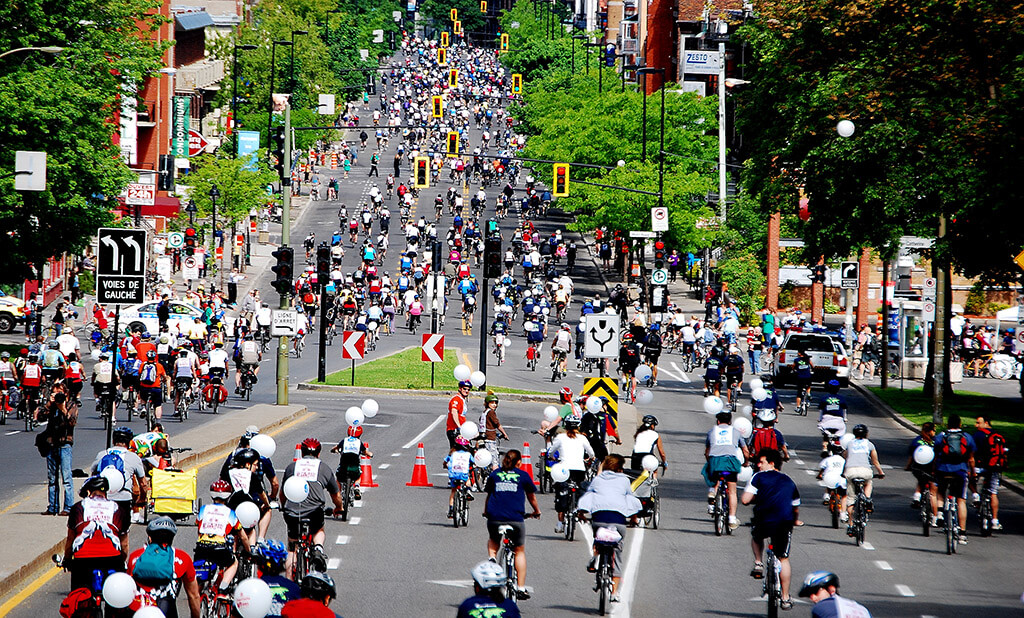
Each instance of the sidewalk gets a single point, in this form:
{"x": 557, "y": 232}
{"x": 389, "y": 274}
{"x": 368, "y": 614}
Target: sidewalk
{"x": 39, "y": 537}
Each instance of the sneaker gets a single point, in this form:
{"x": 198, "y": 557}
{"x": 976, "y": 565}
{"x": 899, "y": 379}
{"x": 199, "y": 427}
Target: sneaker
{"x": 975, "y": 500}
{"x": 734, "y": 522}
{"x": 996, "y": 525}
{"x": 592, "y": 565}
{"x": 870, "y": 505}
{"x": 711, "y": 495}
{"x": 559, "y": 528}
{"x": 849, "y": 531}
{"x": 758, "y": 571}
{"x": 786, "y": 604}
{"x": 318, "y": 559}
{"x": 522, "y": 593}
{"x": 932, "y": 522}
{"x": 137, "y": 518}
{"x": 358, "y": 494}
{"x": 492, "y": 559}
{"x": 825, "y": 499}
{"x": 470, "y": 498}
{"x": 711, "y": 509}
{"x": 451, "y": 512}
{"x": 843, "y": 517}
{"x": 615, "y": 598}
{"x": 939, "y": 520}
{"x": 963, "y": 539}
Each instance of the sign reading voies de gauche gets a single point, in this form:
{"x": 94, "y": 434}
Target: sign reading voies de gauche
{"x": 121, "y": 266}
{"x": 180, "y": 127}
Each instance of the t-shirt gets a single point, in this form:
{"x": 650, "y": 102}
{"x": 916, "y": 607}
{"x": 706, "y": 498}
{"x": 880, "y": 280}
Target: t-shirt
{"x": 858, "y": 453}
{"x": 644, "y": 441}
{"x": 306, "y": 608}
{"x": 459, "y": 463}
{"x": 456, "y": 405}
{"x": 480, "y": 606}
{"x": 506, "y": 494}
{"x": 943, "y": 463}
{"x": 215, "y": 522}
{"x": 282, "y": 590}
{"x": 320, "y": 479}
{"x": 832, "y": 405}
{"x": 838, "y": 607}
{"x": 218, "y": 358}
{"x": 132, "y": 467}
{"x": 572, "y": 451}
{"x": 834, "y": 463}
{"x": 776, "y": 496}
{"x": 184, "y": 571}
{"x": 723, "y": 441}
{"x": 98, "y": 525}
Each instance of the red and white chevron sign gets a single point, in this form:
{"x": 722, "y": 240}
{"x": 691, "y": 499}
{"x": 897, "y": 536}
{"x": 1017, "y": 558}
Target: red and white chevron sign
{"x": 353, "y": 344}
{"x": 432, "y": 348}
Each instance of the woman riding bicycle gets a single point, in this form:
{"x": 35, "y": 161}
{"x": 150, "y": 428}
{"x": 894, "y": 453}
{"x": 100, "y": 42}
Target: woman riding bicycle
{"x": 574, "y": 451}
{"x": 644, "y": 442}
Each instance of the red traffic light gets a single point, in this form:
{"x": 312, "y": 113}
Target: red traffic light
{"x": 190, "y": 232}
{"x": 660, "y": 246}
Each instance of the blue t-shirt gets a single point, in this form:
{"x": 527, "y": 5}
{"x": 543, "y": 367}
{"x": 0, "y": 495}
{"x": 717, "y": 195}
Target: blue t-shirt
{"x": 830, "y": 608}
{"x": 771, "y": 402}
{"x": 282, "y": 590}
{"x": 713, "y": 368}
{"x": 506, "y": 491}
{"x": 945, "y": 463}
{"x": 776, "y": 496}
{"x": 833, "y": 405}
{"x": 803, "y": 368}
{"x": 480, "y": 606}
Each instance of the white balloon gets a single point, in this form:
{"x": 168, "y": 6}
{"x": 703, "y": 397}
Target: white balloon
{"x": 643, "y": 372}
{"x": 119, "y": 590}
{"x": 469, "y": 430}
{"x": 650, "y": 463}
{"x": 370, "y": 408}
{"x": 846, "y": 439}
{"x": 551, "y": 414}
{"x": 477, "y": 379}
{"x": 746, "y": 473}
{"x": 354, "y": 416}
{"x": 559, "y": 473}
{"x": 845, "y": 128}
{"x": 264, "y": 445}
{"x": 713, "y": 404}
{"x": 644, "y": 396}
{"x": 743, "y": 426}
{"x": 296, "y": 489}
{"x": 483, "y": 458}
{"x": 756, "y": 383}
{"x": 739, "y": 455}
{"x": 746, "y": 410}
{"x": 507, "y": 343}
{"x": 924, "y": 455}
{"x": 248, "y": 514}
{"x": 594, "y": 404}
{"x": 114, "y": 478}
{"x": 759, "y": 394}
{"x": 462, "y": 372}
{"x": 253, "y": 598}
{"x": 372, "y": 326}
{"x": 95, "y": 354}
{"x": 149, "y": 611}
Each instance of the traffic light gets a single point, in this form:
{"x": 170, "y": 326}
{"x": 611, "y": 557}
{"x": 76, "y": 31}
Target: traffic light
{"x": 165, "y": 177}
{"x": 437, "y": 109}
{"x": 483, "y": 6}
{"x": 454, "y": 14}
{"x": 561, "y": 180}
{"x": 442, "y": 56}
{"x": 190, "y": 241}
{"x": 517, "y": 83}
{"x": 453, "y": 78}
{"x": 818, "y": 273}
{"x": 422, "y": 168}
{"x": 492, "y": 256}
{"x": 659, "y": 254}
{"x": 504, "y": 42}
{"x": 453, "y": 143}
{"x": 323, "y": 265}
{"x": 457, "y": 27}
{"x": 444, "y": 39}
{"x": 284, "y": 269}
{"x": 277, "y": 145}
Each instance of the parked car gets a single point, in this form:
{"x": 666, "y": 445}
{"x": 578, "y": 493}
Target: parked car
{"x": 826, "y": 359}
{"x": 143, "y": 317}
{"x": 843, "y": 365}
{"x": 12, "y": 312}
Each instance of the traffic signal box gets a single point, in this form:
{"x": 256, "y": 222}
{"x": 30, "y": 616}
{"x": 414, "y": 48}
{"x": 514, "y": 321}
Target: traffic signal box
{"x": 442, "y": 55}
{"x": 453, "y": 143}
{"x": 453, "y": 78}
{"x": 457, "y": 27}
{"x": 278, "y": 150}
{"x": 454, "y": 14}
{"x": 422, "y": 175}
{"x": 659, "y": 254}
{"x": 437, "y": 109}
{"x": 444, "y": 39}
{"x": 190, "y": 241}
{"x": 818, "y": 273}
{"x": 323, "y": 265}
{"x": 284, "y": 269}
{"x": 517, "y": 83}
{"x": 492, "y": 256}
{"x": 561, "y": 180}
{"x": 483, "y": 6}
{"x": 504, "y": 42}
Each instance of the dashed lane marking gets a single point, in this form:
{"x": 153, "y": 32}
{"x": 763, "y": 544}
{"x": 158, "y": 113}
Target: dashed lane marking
{"x": 383, "y": 466}
{"x": 904, "y": 590}
{"x": 882, "y": 564}
{"x": 867, "y": 546}
{"x": 354, "y": 520}
{"x": 333, "y": 564}
{"x": 342, "y": 539}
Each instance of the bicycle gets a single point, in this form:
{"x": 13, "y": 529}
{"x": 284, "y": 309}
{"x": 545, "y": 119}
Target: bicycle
{"x": 925, "y": 508}
{"x": 148, "y": 411}
{"x": 499, "y": 348}
{"x": 94, "y": 607}
{"x": 212, "y": 602}
{"x": 651, "y": 513}
{"x": 248, "y": 377}
{"x": 460, "y": 505}
{"x": 606, "y": 540}
{"x": 570, "y": 513}
{"x": 303, "y": 553}
{"x": 263, "y": 336}
{"x": 299, "y": 345}
{"x": 531, "y": 357}
{"x": 556, "y": 370}
{"x": 801, "y": 410}
{"x": 835, "y": 506}
{"x": 950, "y": 520}
{"x": 720, "y": 506}
{"x": 772, "y": 583}
{"x": 985, "y": 507}
{"x": 348, "y": 497}
{"x": 507, "y": 559}
{"x": 184, "y": 399}
{"x": 545, "y": 484}
{"x": 859, "y": 520}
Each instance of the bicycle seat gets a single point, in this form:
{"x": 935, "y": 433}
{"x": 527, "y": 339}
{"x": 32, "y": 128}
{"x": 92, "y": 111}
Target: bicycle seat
{"x": 504, "y": 529}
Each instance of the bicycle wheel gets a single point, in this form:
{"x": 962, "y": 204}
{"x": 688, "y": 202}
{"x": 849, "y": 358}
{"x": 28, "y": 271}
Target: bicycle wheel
{"x": 947, "y": 513}
{"x": 720, "y": 519}
{"x": 985, "y": 516}
{"x": 570, "y": 524}
{"x": 346, "y": 499}
{"x": 1000, "y": 369}
{"x": 925, "y": 513}
{"x": 464, "y": 508}
{"x": 604, "y": 584}
{"x": 771, "y": 584}
{"x": 456, "y": 509}
{"x": 509, "y": 560}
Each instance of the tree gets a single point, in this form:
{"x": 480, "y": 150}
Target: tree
{"x": 469, "y": 14}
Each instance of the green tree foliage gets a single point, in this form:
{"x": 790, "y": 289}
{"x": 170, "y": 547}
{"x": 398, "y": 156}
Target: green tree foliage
{"x": 745, "y": 275}
{"x": 934, "y": 88}
{"x": 241, "y": 189}
{"x": 440, "y": 11}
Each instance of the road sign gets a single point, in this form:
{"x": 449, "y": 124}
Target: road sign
{"x": 659, "y": 276}
{"x": 432, "y": 348}
{"x": 175, "y": 240}
{"x": 138, "y": 194}
{"x": 121, "y": 266}
{"x": 1019, "y": 259}
{"x": 602, "y": 337}
{"x": 849, "y": 275}
{"x": 1020, "y": 336}
{"x": 642, "y": 234}
{"x": 190, "y": 269}
{"x": 701, "y": 62}
{"x": 284, "y": 324}
{"x": 659, "y": 219}
{"x": 196, "y": 143}
{"x": 608, "y": 388}
{"x": 928, "y": 311}
{"x": 929, "y": 289}
{"x": 353, "y": 344}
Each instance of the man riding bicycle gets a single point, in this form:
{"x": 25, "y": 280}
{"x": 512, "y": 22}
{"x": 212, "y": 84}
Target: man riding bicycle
{"x": 954, "y": 467}
{"x": 720, "y": 446}
{"x": 249, "y": 357}
{"x": 488, "y": 594}
{"x": 561, "y": 346}
{"x": 319, "y": 479}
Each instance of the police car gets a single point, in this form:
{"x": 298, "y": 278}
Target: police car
{"x": 143, "y": 317}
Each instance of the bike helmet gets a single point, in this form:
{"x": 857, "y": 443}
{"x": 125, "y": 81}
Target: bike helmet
{"x": 488, "y": 575}
{"x": 246, "y": 456}
{"x": 122, "y": 435}
{"x": 220, "y": 489}
{"x": 146, "y": 335}
{"x": 832, "y": 386}
{"x": 650, "y": 420}
{"x": 273, "y": 554}
{"x": 104, "y": 355}
{"x": 490, "y": 397}
{"x": 461, "y": 441}
{"x": 162, "y": 528}
{"x": 33, "y": 357}
{"x": 94, "y": 483}
{"x": 465, "y": 384}
{"x": 860, "y": 431}
{"x": 655, "y": 328}
{"x": 767, "y": 415}
{"x": 816, "y": 581}
{"x": 310, "y": 446}
{"x": 151, "y": 355}
{"x": 355, "y": 430}
{"x": 318, "y": 585}
{"x": 565, "y": 393}
{"x": 5, "y": 355}
{"x": 52, "y": 344}
{"x": 570, "y": 422}
{"x": 251, "y": 432}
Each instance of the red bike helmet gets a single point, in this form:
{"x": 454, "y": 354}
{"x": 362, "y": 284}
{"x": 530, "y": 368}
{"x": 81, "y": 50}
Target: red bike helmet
{"x": 355, "y": 430}
{"x": 220, "y": 489}
{"x": 311, "y": 446}
{"x": 566, "y": 394}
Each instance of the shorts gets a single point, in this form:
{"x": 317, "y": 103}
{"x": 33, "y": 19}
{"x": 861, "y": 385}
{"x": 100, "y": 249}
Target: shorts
{"x": 652, "y": 358}
{"x": 454, "y": 482}
{"x": 803, "y": 384}
{"x": 834, "y": 423}
{"x": 218, "y": 554}
{"x": 517, "y": 535}
{"x": 779, "y": 535}
{"x": 155, "y": 394}
{"x": 858, "y": 473}
{"x": 954, "y": 482}
{"x": 315, "y": 520}
{"x": 348, "y": 473}
{"x": 130, "y": 382}
{"x": 990, "y": 480}
{"x": 183, "y": 383}
{"x": 732, "y": 378}
{"x": 617, "y": 552}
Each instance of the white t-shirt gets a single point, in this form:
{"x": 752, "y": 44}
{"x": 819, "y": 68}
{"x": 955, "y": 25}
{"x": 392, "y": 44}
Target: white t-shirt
{"x": 858, "y": 453}
{"x": 218, "y": 358}
{"x": 571, "y": 451}
{"x": 645, "y": 441}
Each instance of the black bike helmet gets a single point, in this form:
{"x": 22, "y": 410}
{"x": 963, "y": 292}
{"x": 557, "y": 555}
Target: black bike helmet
{"x": 860, "y": 431}
{"x": 122, "y": 435}
{"x": 244, "y": 457}
{"x": 570, "y": 422}
{"x": 94, "y": 483}
{"x": 816, "y": 581}
{"x": 650, "y": 420}
{"x": 319, "y": 586}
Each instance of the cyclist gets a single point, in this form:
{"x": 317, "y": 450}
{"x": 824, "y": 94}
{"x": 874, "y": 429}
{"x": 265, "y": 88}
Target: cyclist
{"x": 184, "y": 376}
{"x": 645, "y": 440}
{"x": 97, "y": 534}
{"x": 490, "y": 427}
{"x": 31, "y": 383}
{"x": 488, "y": 594}
{"x": 270, "y": 556}
{"x": 352, "y": 448}
{"x": 73, "y": 378}
{"x": 834, "y": 462}
{"x": 861, "y": 456}
{"x": 53, "y": 362}
{"x": 990, "y": 459}
{"x": 249, "y": 357}
{"x": 611, "y": 504}
{"x": 561, "y": 345}
{"x": 629, "y": 360}
{"x": 317, "y": 591}
{"x": 769, "y": 406}
{"x": 311, "y": 510}
{"x": 713, "y": 373}
{"x": 776, "y": 511}
{"x": 923, "y": 473}
{"x": 508, "y": 489}
{"x": 803, "y": 372}
{"x": 457, "y": 408}
{"x": 733, "y": 366}
{"x": 151, "y": 379}
{"x": 574, "y": 451}
{"x": 458, "y": 462}
{"x": 120, "y": 457}
{"x": 720, "y": 447}
{"x": 104, "y": 380}
{"x": 216, "y": 524}
{"x": 160, "y": 570}
{"x": 822, "y": 587}
{"x": 832, "y": 411}
{"x": 767, "y": 436}
{"x": 954, "y": 467}
{"x": 652, "y": 351}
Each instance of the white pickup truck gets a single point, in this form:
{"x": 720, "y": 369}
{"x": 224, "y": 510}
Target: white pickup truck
{"x": 824, "y": 358}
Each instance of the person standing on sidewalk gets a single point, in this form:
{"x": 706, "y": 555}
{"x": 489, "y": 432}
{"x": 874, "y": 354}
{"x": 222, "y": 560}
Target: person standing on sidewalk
{"x": 374, "y": 162}
{"x": 61, "y": 416}
{"x": 673, "y": 265}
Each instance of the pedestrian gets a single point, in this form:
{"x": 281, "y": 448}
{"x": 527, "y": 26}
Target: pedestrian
{"x": 163, "y": 311}
{"x": 374, "y": 161}
{"x": 398, "y": 170}
{"x": 75, "y": 285}
{"x": 59, "y": 437}
{"x": 673, "y": 265}
{"x": 31, "y": 306}
{"x": 347, "y": 164}
{"x": 58, "y": 318}
{"x": 233, "y": 280}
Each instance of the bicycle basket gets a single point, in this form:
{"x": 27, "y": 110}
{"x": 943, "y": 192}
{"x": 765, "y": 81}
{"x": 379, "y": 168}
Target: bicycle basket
{"x": 607, "y": 536}
{"x": 205, "y": 570}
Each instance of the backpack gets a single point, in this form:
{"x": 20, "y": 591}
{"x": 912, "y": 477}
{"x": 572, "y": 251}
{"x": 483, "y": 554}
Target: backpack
{"x": 996, "y": 451}
{"x": 156, "y": 564}
{"x": 764, "y": 437}
{"x": 954, "y": 448}
{"x": 131, "y": 368}
{"x": 112, "y": 459}
{"x": 148, "y": 373}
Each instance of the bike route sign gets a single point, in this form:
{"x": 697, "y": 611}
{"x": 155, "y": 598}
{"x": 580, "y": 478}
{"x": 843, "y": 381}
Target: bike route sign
{"x": 602, "y": 339}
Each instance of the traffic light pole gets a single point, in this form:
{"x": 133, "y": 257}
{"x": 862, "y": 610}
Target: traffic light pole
{"x": 286, "y": 205}
{"x": 482, "y": 325}
{"x": 321, "y": 280}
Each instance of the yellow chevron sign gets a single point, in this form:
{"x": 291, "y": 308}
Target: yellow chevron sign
{"x": 605, "y": 387}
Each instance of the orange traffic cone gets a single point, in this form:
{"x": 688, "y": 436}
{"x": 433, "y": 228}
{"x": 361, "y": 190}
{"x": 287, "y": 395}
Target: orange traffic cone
{"x": 526, "y": 465}
{"x": 419, "y": 470}
{"x": 298, "y": 452}
{"x": 366, "y": 480}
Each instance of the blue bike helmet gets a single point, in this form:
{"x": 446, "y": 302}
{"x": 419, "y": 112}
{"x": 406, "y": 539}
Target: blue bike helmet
{"x": 273, "y": 553}
{"x": 816, "y": 581}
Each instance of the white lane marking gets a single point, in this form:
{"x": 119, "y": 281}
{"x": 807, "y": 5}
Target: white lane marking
{"x": 375, "y": 425}
{"x": 799, "y": 462}
{"x": 357, "y": 503}
{"x": 904, "y": 590}
{"x": 882, "y": 564}
{"x": 396, "y": 454}
{"x": 383, "y": 466}
{"x": 678, "y": 373}
{"x": 811, "y": 472}
{"x": 454, "y": 583}
{"x": 342, "y": 539}
{"x": 11, "y": 433}
{"x": 354, "y": 520}
{"x": 868, "y": 546}
{"x": 416, "y": 440}
{"x": 629, "y": 574}
{"x": 333, "y": 564}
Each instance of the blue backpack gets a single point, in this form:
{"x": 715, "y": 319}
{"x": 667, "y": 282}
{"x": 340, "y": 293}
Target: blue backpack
{"x": 112, "y": 459}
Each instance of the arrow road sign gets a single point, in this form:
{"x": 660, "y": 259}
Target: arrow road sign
{"x": 432, "y": 349}
{"x": 353, "y": 344}
{"x": 659, "y": 276}
{"x": 849, "y": 275}
{"x": 121, "y": 266}
{"x": 602, "y": 339}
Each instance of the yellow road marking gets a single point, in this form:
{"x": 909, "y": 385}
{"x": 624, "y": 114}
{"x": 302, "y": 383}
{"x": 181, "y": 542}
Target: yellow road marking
{"x": 465, "y": 360}
{"x": 28, "y": 591}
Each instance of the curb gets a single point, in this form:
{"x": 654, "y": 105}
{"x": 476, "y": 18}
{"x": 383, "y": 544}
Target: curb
{"x": 878, "y": 404}
{"x": 311, "y": 386}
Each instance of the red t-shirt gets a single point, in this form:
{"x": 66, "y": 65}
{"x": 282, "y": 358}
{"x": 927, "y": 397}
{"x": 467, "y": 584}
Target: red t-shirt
{"x": 458, "y": 405}
{"x": 106, "y": 523}
{"x": 184, "y": 571}
{"x": 306, "y": 608}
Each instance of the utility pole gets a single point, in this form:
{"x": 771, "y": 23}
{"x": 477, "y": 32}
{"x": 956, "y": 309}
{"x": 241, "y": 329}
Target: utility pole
{"x": 938, "y": 360}
{"x": 721, "y": 131}
{"x": 286, "y": 204}
{"x": 885, "y": 324}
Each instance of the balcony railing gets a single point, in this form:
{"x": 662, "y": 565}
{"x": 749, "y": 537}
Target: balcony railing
{"x": 197, "y": 75}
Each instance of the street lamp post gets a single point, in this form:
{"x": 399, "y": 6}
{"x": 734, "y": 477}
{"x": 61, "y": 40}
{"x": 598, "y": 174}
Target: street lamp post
{"x": 600, "y": 65}
{"x": 48, "y": 50}
{"x": 191, "y": 210}
{"x": 234, "y": 93}
{"x": 291, "y": 52}
{"x": 270, "y": 96}
{"x": 214, "y": 194}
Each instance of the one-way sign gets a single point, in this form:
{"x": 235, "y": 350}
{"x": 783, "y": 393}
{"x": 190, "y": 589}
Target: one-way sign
{"x": 121, "y": 266}
{"x": 849, "y": 275}
{"x": 602, "y": 339}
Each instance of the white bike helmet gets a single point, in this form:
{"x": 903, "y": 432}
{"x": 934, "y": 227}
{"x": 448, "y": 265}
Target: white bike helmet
{"x": 488, "y": 575}
{"x": 767, "y": 415}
